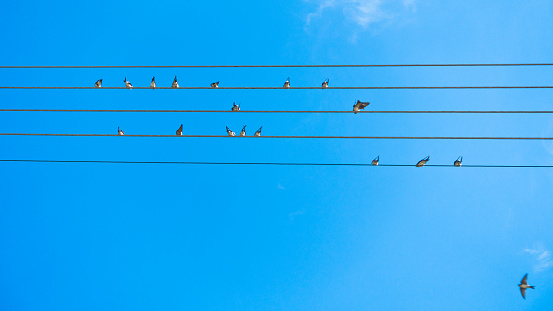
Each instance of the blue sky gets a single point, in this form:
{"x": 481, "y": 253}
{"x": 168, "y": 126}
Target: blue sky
{"x": 163, "y": 237}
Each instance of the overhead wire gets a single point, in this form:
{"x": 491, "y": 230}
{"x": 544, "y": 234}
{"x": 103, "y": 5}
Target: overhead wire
{"x": 283, "y": 66}
{"x": 276, "y": 88}
{"x": 281, "y": 111}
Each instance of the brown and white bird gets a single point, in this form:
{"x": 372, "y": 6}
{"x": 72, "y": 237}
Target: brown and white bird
{"x": 258, "y": 132}
{"x": 423, "y": 161}
{"x": 325, "y": 83}
{"x": 375, "y": 161}
{"x": 458, "y": 162}
{"x": 235, "y": 107}
{"x": 153, "y": 83}
{"x": 215, "y": 84}
{"x": 98, "y": 83}
{"x": 243, "y": 131}
{"x": 359, "y": 105}
{"x": 127, "y": 83}
{"x": 230, "y": 133}
{"x": 179, "y": 131}
{"x": 120, "y": 132}
{"x": 524, "y": 285}
{"x": 287, "y": 83}
{"x": 175, "y": 84}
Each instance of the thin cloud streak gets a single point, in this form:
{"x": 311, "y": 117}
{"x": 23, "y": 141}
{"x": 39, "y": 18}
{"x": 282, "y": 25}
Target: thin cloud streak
{"x": 543, "y": 258}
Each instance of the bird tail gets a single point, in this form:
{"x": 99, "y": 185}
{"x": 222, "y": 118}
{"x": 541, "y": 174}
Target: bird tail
{"x": 532, "y": 287}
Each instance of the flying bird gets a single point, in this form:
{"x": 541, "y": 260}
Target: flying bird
{"x": 375, "y": 161}
{"x": 230, "y": 133}
{"x": 235, "y": 107}
{"x": 423, "y": 161}
{"x": 458, "y": 162}
{"x": 243, "y": 131}
{"x": 98, "y": 83}
{"x": 360, "y": 105}
{"x": 258, "y": 132}
{"x": 287, "y": 83}
{"x": 524, "y": 285}
{"x": 179, "y": 131}
{"x": 325, "y": 83}
{"x": 175, "y": 84}
{"x": 120, "y": 132}
{"x": 127, "y": 84}
{"x": 153, "y": 83}
{"x": 215, "y": 84}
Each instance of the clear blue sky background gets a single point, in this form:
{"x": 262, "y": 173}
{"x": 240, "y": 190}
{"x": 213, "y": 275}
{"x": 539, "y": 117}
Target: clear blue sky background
{"x": 162, "y": 237}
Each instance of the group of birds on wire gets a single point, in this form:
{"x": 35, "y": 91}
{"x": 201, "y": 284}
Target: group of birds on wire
{"x": 422, "y": 162}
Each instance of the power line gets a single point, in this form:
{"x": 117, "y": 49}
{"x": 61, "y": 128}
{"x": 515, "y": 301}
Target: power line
{"x": 281, "y": 66}
{"x": 270, "y": 163}
{"x": 278, "y": 88}
{"x": 292, "y": 137}
{"x": 279, "y": 111}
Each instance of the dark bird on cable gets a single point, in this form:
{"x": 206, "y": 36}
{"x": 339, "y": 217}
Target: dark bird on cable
{"x": 175, "y": 84}
{"x": 153, "y": 83}
{"x": 423, "y": 161}
{"x": 235, "y": 107}
{"x": 120, "y": 132}
{"x": 359, "y": 105}
{"x": 127, "y": 83}
{"x": 230, "y": 133}
{"x": 375, "y": 161}
{"x": 179, "y": 131}
{"x": 98, "y": 83}
{"x": 258, "y": 132}
{"x": 243, "y": 131}
{"x": 287, "y": 83}
{"x": 325, "y": 83}
{"x": 215, "y": 84}
{"x": 458, "y": 162}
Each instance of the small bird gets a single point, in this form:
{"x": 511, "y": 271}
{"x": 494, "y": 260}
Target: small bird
{"x": 230, "y": 133}
{"x": 175, "y": 84}
{"x": 235, "y": 107}
{"x": 458, "y": 161}
{"x": 153, "y": 83}
{"x": 258, "y": 132}
{"x": 127, "y": 84}
{"x": 98, "y": 83}
{"x": 179, "y": 131}
{"x": 423, "y": 161}
{"x": 215, "y": 84}
{"x": 524, "y": 285}
{"x": 243, "y": 131}
{"x": 287, "y": 83}
{"x": 325, "y": 83}
{"x": 120, "y": 132}
{"x": 375, "y": 161}
{"x": 360, "y": 105}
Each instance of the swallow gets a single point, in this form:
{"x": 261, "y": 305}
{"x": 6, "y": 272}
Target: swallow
{"x": 258, "y": 132}
{"x": 153, "y": 83}
{"x": 179, "y": 131}
{"x": 458, "y": 162}
{"x": 98, "y": 83}
{"x": 360, "y": 105}
{"x": 127, "y": 84}
{"x": 524, "y": 285}
{"x": 325, "y": 83}
{"x": 287, "y": 83}
{"x": 243, "y": 131}
{"x": 423, "y": 161}
{"x": 235, "y": 107}
{"x": 375, "y": 161}
{"x": 120, "y": 132}
{"x": 175, "y": 84}
{"x": 215, "y": 84}
{"x": 230, "y": 133}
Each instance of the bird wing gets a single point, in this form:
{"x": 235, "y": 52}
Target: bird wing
{"x": 363, "y": 105}
{"x": 524, "y": 279}
{"x": 523, "y": 292}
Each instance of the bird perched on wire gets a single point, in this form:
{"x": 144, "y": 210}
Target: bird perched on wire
{"x": 325, "y": 83}
{"x": 153, "y": 83}
{"x": 98, "y": 83}
{"x": 258, "y": 132}
{"x": 179, "y": 131}
{"x": 230, "y": 133}
{"x": 175, "y": 84}
{"x": 215, "y": 84}
{"x": 524, "y": 285}
{"x": 243, "y": 131}
{"x": 235, "y": 107}
{"x": 359, "y": 105}
{"x": 423, "y": 161}
{"x": 127, "y": 83}
{"x": 375, "y": 161}
{"x": 458, "y": 162}
{"x": 287, "y": 83}
{"x": 120, "y": 132}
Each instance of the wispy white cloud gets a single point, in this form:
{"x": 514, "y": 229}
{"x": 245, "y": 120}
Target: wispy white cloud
{"x": 280, "y": 187}
{"x": 294, "y": 214}
{"x": 542, "y": 257}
